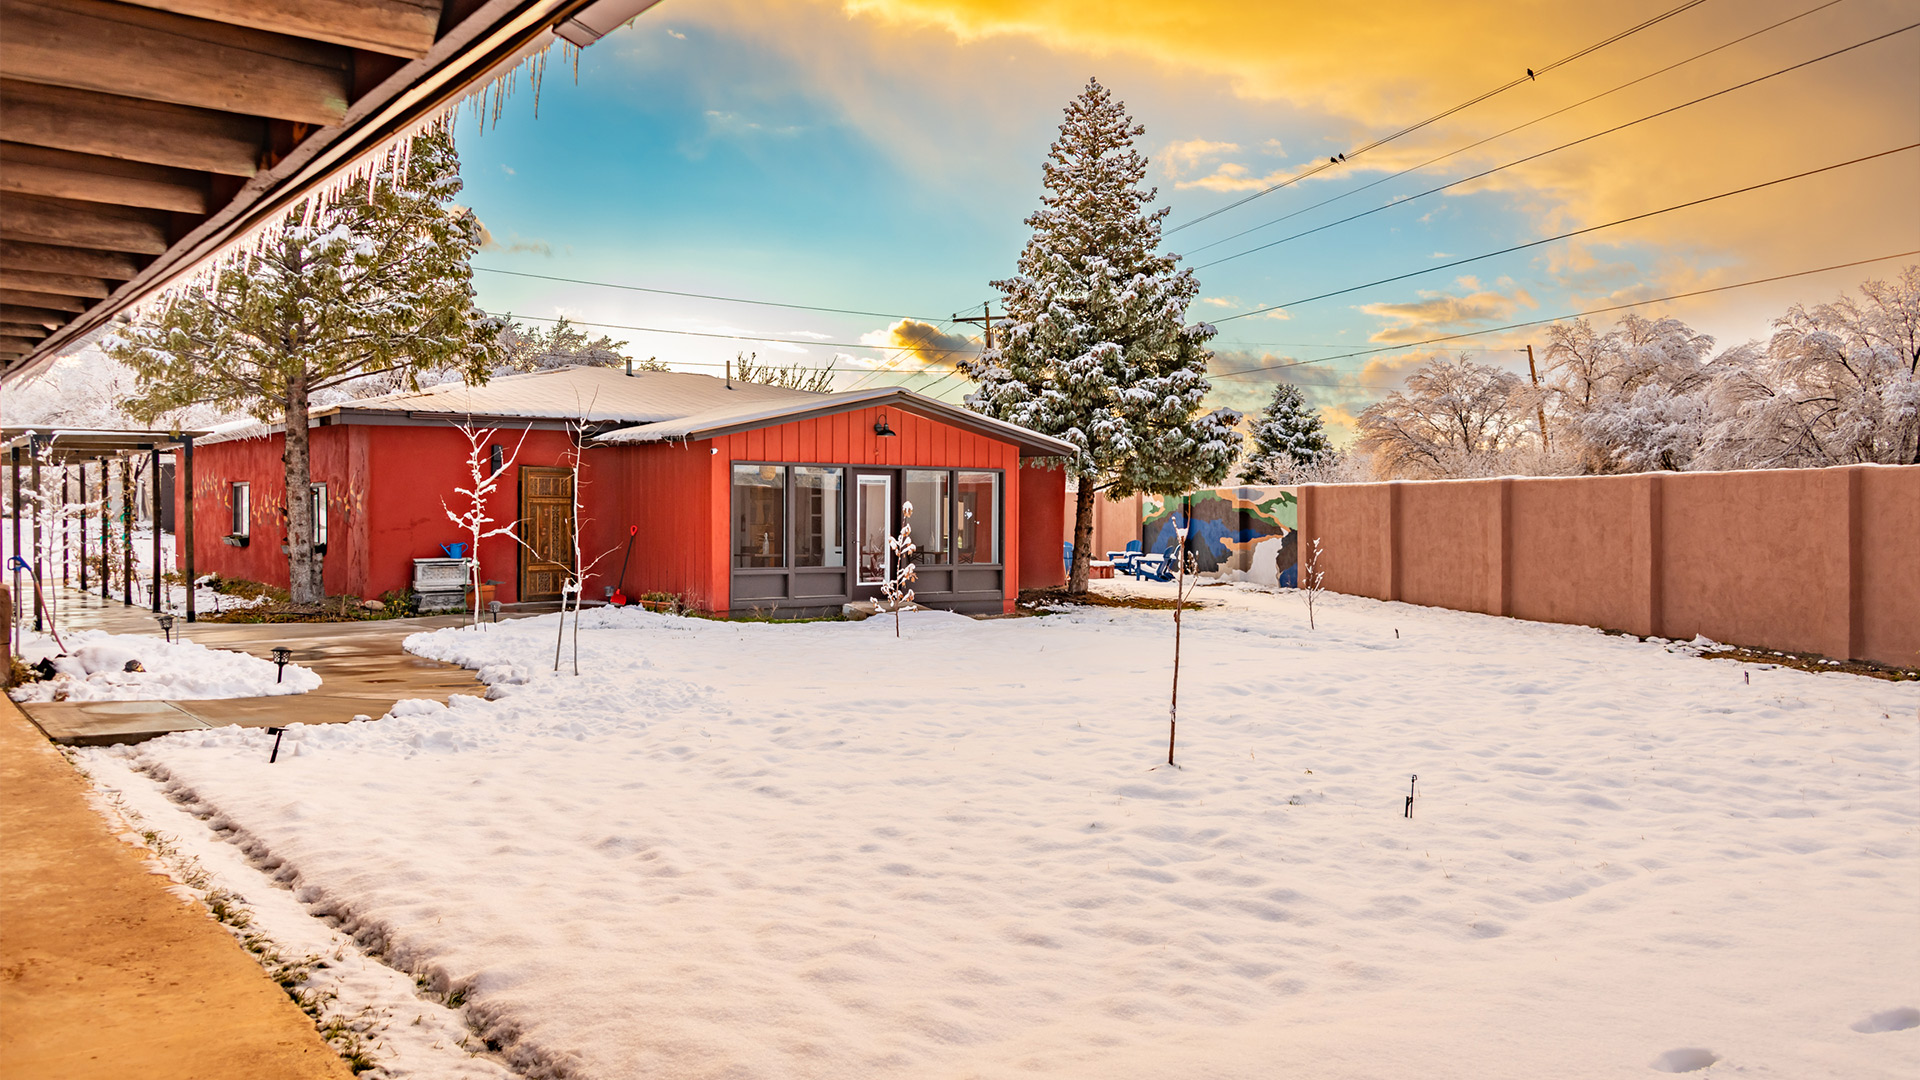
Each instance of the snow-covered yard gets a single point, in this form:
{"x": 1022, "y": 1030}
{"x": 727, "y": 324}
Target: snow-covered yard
{"x": 744, "y": 850}
{"x": 95, "y": 667}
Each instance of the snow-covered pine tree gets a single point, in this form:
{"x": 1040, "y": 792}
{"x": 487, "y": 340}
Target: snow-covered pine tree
{"x": 1287, "y": 437}
{"x": 1096, "y": 349}
{"x": 377, "y": 280}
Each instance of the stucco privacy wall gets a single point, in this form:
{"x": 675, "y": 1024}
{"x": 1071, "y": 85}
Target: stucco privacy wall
{"x": 1807, "y": 560}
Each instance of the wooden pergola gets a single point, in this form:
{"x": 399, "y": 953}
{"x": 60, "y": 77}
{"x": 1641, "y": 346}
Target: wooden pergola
{"x": 140, "y": 138}
{"x": 28, "y": 450}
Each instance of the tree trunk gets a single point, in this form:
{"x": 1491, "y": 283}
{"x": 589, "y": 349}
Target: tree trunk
{"x": 1082, "y": 538}
{"x": 303, "y": 570}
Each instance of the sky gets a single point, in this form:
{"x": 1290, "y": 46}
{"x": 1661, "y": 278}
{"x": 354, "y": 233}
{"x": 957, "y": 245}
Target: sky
{"x": 879, "y": 157}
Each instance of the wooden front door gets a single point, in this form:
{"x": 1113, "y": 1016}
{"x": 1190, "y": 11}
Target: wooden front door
{"x": 546, "y": 524}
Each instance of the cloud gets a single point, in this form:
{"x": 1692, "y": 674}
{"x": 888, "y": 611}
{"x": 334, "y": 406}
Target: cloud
{"x": 508, "y": 169}
{"x": 488, "y": 242}
{"x": 918, "y": 344}
{"x": 676, "y": 35}
{"x": 1186, "y": 155}
{"x": 1221, "y": 301}
{"x": 727, "y": 122}
{"x": 1438, "y": 312}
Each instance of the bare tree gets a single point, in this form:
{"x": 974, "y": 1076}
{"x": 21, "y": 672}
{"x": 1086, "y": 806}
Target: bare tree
{"x": 1455, "y": 418}
{"x": 794, "y": 376}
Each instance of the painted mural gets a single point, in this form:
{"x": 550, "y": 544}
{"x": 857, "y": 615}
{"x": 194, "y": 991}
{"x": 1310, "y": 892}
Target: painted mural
{"x": 1228, "y": 525}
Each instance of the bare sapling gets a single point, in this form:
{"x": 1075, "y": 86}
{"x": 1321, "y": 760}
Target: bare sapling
{"x": 473, "y": 519}
{"x": 1181, "y": 591}
{"x": 575, "y": 585}
{"x": 1312, "y": 581}
{"x": 896, "y": 588}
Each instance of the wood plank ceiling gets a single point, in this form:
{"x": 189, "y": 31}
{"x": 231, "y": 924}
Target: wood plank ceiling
{"x": 137, "y": 138}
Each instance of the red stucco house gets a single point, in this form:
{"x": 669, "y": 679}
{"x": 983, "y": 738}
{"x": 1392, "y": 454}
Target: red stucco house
{"x": 744, "y": 497}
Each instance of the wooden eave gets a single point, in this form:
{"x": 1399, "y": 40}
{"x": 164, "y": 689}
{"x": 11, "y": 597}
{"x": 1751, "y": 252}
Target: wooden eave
{"x": 138, "y": 139}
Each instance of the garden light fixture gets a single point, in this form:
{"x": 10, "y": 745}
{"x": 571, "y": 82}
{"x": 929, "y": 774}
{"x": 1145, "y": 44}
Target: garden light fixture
{"x": 282, "y": 656}
{"x": 276, "y": 732}
{"x": 1411, "y": 780}
{"x": 166, "y": 625}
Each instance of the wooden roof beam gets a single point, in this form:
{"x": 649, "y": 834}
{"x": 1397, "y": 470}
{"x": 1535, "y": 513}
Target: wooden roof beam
{"x": 35, "y": 170}
{"x": 136, "y": 52}
{"x": 395, "y": 27}
{"x": 81, "y": 225}
{"x": 58, "y": 284}
{"x": 106, "y": 125}
{"x": 33, "y": 331}
{"x": 34, "y": 316}
{"x": 43, "y": 300}
{"x": 49, "y": 259}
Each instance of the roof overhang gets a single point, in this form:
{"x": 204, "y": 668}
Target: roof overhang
{"x": 66, "y": 446}
{"x": 129, "y": 165}
{"x": 1031, "y": 443}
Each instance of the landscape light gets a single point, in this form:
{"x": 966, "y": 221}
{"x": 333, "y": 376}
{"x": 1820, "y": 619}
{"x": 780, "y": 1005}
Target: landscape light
{"x": 1411, "y": 780}
{"x": 166, "y": 625}
{"x": 276, "y": 732}
{"x": 494, "y": 606}
{"x": 282, "y": 655}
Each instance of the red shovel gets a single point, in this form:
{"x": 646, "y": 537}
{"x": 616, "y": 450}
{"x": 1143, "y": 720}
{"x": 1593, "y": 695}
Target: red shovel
{"x": 619, "y": 598}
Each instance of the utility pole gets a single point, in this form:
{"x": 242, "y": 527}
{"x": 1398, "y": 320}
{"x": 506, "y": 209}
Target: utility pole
{"x": 985, "y": 318}
{"x": 1539, "y": 403}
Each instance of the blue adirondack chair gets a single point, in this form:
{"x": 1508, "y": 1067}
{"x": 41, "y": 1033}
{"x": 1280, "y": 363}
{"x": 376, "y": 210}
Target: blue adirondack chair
{"x": 1066, "y": 556}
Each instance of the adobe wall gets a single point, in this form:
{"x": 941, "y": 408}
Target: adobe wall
{"x": 1806, "y": 560}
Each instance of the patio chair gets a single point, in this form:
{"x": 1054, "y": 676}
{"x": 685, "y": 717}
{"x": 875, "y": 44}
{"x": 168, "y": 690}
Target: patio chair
{"x": 1122, "y": 561}
{"x": 1153, "y": 568}
{"x": 1066, "y": 555}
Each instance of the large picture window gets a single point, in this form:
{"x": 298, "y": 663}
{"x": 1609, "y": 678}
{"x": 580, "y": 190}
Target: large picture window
{"x": 977, "y": 537}
{"x": 759, "y": 515}
{"x": 928, "y": 491}
{"x": 819, "y": 516}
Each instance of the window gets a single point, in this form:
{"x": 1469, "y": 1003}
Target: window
{"x": 819, "y": 516}
{"x": 319, "y": 512}
{"x": 242, "y": 508}
{"x": 978, "y": 539}
{"x": 496, "y": 459}
{"x": 759, "y": 515}
{"x": 930, "y": 493}
{"x": 874, "y": 524}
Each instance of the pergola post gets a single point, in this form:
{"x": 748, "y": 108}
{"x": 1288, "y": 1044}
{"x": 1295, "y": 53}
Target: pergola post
{"x": 106, "y": 528}
{"x": 81, "y": 520}
{"x": 159, "y": 572}
{"x": 66, "y": 527}
{"x": 39, "y": 511}
{"x": 126, "y": 529}
{"x": 14, "y": 455}
{"x": 185, "y": 483}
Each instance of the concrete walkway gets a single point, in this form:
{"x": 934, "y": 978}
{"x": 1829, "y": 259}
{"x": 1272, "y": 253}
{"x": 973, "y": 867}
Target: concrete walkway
{"x": 362, "y": 667}
{"x": 106, "y": 974}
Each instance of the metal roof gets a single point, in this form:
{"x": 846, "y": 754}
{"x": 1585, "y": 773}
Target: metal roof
{"x": 731, "y": 417}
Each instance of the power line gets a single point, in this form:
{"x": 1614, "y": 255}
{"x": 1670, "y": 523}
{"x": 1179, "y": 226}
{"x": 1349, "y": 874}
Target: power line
{"x": 736, "y": 337}
{"x": 1442, "y": 115}
{"x": 1405, "y": 345}
{"x": 699, "y": 296}
{"x": 1575, "y": 232}
{"x": 1517, "y": 127}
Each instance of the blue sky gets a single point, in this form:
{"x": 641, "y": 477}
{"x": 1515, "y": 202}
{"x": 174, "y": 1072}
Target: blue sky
{"x": 880, "y": 156}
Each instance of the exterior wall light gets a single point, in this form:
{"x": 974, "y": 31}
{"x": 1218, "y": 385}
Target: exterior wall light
{"x": 882, "y": 428}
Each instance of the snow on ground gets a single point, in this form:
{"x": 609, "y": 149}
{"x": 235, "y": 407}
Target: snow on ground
{"x": 94, "y": 668}
{"x": 749, "y": 850}
{"x": 364, "y": 1004}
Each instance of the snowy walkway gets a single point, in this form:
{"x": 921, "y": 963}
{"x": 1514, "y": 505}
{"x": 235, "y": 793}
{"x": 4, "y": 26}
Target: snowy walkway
{"x": 746, "y": 850}
{"x": 110, "y": 975}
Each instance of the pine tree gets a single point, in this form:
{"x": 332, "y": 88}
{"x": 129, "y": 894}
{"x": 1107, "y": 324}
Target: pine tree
{"x": 1096, "y": 349}
{"x": 377, "y": 280}
{"x": 1287, "y": 436}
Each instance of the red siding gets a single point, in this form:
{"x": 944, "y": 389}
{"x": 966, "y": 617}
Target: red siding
{"x": 1043, "y": 520}
{"x": 388, "y": 488}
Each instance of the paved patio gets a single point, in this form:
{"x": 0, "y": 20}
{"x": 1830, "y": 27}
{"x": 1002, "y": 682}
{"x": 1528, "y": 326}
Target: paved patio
{"x": 362, "y": 667}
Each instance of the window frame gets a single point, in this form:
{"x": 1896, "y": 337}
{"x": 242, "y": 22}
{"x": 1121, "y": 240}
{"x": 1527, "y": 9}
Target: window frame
{"x": 241, "y": 496}
{"x": 317, "y": 511}
{"x": 734, "y": 528}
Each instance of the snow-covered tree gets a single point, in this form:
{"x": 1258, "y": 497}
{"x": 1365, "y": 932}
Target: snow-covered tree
{"x": 525, "y": 348}
{"x": 1631, "y": 399}
{"x": 1096, "y": 349}
{"x": 1837, "y": 385}
{"x": 898, "y": 588}
{"x": 472, "y": 517}
{"x": 377, "y": 280}
{"x": 747, "y": 368}
{"x": 1455, "y": 418}
{"x": 1288, "y": 439}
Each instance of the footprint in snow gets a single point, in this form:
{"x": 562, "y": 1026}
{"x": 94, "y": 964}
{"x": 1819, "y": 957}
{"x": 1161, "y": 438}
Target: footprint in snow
{"x": 1684, "y": 1059}
{"x": 1892, "y": 1020}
